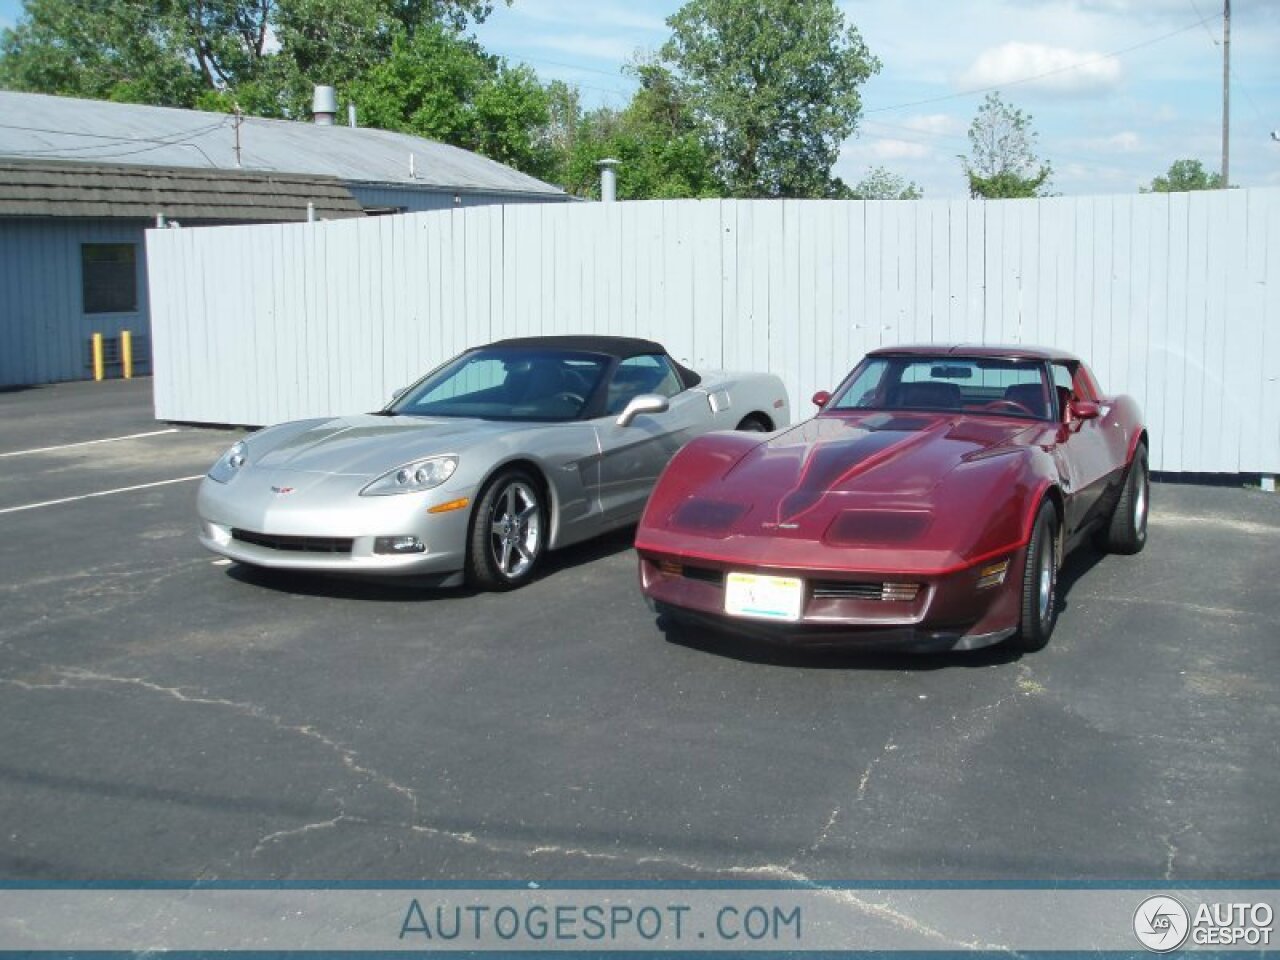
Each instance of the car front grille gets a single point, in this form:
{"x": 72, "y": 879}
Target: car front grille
{"x": 705, "y": 575}
{"x": 849, "y": 590}
{"x": 272, "y": 541}
{"x": 825, "y": 589}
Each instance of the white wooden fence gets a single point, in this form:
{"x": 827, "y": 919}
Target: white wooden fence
{"x": 1172, "y": 298}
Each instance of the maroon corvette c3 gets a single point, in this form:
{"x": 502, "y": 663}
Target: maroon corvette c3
{"x": 927, "y": 506}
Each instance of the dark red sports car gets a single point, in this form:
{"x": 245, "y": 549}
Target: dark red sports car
{"x": 928, "y": 505}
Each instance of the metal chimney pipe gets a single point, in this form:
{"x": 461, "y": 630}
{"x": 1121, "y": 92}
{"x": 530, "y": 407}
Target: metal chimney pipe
{"x": 324, "y": 105}
{"x": 351, "y": 114}
{"x": 608, "y": 179}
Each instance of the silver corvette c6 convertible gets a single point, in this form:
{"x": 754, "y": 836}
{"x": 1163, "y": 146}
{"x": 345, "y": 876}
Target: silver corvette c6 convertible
{"x": 478, "y": 469}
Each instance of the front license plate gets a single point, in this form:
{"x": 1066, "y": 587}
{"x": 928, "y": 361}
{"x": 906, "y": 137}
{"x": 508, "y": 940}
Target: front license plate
{"x": 768, "y": 598}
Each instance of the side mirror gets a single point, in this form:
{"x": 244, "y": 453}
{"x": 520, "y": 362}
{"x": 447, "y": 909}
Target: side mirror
{"x": 821, "y": 398}
{"x": 397, "y": 394}
{"x": 1085, "y": 409}
{"x": 644, "y": 403}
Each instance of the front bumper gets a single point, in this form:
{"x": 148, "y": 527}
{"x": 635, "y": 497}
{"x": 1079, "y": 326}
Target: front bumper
{"x": 948, "y": 612}
{"x": 322, "y": 526}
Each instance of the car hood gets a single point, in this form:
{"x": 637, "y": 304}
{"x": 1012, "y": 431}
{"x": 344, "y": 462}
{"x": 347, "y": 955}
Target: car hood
{"x": 368, "y": 444}
{"x": 803, "y": 477}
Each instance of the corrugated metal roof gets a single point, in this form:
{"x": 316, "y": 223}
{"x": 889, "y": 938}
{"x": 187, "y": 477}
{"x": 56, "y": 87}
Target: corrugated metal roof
{"x": 30, "y": 188}
{"x": 40, "y": 127}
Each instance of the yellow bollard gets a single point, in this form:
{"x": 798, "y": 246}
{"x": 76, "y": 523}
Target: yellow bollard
{"x": 126, "y": 354}
{"x": 98, "y": 372}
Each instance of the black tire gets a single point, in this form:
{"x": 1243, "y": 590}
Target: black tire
{"x": 1039, "y": 583}
{"x": 753, "y": 423}
{"x": 1127, "y": 530}
{"x": 508, "y": 532}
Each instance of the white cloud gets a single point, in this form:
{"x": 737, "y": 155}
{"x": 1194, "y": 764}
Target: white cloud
{"x": 936, "y": 124}
{"x": 1126, "y": 141}
{"x": 576, "y": 13}
{"x": 889, "y": 149}
{"x": 1055, "y": 69}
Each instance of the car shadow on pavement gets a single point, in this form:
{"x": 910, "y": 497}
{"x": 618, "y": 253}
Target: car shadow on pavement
{"x": 778, "y": 653}
{"x": 409, "y": 590}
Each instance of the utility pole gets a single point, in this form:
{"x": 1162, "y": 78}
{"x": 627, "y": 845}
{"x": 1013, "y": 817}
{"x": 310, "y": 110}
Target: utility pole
{"x": 236, "y": 123}
{"x": 1226, "y": 94}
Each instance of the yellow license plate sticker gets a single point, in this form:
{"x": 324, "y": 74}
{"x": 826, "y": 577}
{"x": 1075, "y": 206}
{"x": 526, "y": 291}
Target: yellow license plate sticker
{"x": 765, "y": 598}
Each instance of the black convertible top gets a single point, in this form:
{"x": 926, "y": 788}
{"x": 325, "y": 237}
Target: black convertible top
{"x": 620, "y": 348}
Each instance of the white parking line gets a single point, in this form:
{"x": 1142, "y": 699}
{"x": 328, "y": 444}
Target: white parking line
{"x": 100, "y": 493}
{"x": 85, "y": 443}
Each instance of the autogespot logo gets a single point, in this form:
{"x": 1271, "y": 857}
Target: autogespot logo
{"x": 1161, "y": 924}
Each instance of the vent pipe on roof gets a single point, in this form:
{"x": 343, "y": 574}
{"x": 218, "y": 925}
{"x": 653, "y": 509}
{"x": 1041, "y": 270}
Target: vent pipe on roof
{"x": 324, "y": 105}
{"x": 608, "y": 179}
{"x": 351, "y": 114}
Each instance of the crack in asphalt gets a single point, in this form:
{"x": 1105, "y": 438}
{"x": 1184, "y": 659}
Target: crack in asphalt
{"x": 80, "y": 679}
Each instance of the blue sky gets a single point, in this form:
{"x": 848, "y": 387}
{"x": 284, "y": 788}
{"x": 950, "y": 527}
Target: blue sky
{"x": 1107, "y": 123}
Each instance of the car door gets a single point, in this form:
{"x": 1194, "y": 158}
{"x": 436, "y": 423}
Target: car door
{"x": 631, "y": 457}
{"x": 1082, "y": 453}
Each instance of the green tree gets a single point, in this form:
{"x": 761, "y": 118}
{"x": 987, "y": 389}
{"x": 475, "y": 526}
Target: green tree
{"x": 99, "y": 50}
{"x": 442, "y": 85}
{"x": 655, "y": 137}
{"x": 212, "y": 53}
{"x": 774, "y": 86}
{"x": 1184, "y": 176}
{"x": 880, "y": 184}
{"x": 1003, "y": 162}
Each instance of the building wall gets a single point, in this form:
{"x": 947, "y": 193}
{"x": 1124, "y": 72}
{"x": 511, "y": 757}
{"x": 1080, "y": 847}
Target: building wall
{"x": 44, "y": 330}
{"x": 423, "y": 199}
{"x": 1174, "y": 298}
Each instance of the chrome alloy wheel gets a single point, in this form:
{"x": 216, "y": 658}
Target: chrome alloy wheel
{"x": 1046, "y": 581}
{"x": 1141, "y": 492}
{"x": 515, "y": 530}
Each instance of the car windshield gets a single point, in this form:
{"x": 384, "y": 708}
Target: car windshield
{"x": 507, "y": 384}
{"x": 1015, "y": 388}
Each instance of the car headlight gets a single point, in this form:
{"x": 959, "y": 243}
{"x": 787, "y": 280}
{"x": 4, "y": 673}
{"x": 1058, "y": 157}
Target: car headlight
{"x": 413, "y": 477}
{"x": 230, "y": 462}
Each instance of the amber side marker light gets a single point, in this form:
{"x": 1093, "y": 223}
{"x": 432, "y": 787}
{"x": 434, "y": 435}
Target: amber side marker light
{"x": 450, "y": 505}
{"x": 992, "y": 575}
{"x": 670, "y": 568}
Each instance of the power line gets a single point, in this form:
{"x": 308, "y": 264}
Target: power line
{"x": 906, "y": 129}
{"x": 118, "y": 140}
{"x": 1040, "y": 76}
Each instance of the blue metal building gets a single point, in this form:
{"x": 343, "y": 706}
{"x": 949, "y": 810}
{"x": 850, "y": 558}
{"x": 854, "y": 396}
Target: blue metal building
{"x": 82, "y": 180}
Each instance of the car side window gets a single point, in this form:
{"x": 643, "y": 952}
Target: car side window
{"x": 1071, "y": 384}
{"x": 651, "y": 373}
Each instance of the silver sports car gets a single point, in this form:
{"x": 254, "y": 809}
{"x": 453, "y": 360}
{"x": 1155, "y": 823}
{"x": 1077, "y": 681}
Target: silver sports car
{"x": 479, "y": 468}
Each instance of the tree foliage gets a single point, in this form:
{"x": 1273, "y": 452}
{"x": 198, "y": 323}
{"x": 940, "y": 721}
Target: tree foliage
{"x": 881, "y": 184}
{"x": 1184, "y": 176}
{"x": 656, "y": 138}
{"x": 442, "y": 85}
{"x": 774, "y": 88}
{"x": 265, "y": 55}
{"x": 1003, "y": 162}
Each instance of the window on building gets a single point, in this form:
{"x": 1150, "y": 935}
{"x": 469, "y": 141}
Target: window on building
{"x": 109, "y": 272}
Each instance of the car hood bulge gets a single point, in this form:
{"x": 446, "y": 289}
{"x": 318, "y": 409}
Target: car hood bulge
{"x": 797, "y": 482}
{"x": 370, "y": 444}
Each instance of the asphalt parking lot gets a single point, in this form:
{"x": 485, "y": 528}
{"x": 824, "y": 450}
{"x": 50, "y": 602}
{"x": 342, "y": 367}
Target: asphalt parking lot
{"x": 168, "y": 716}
